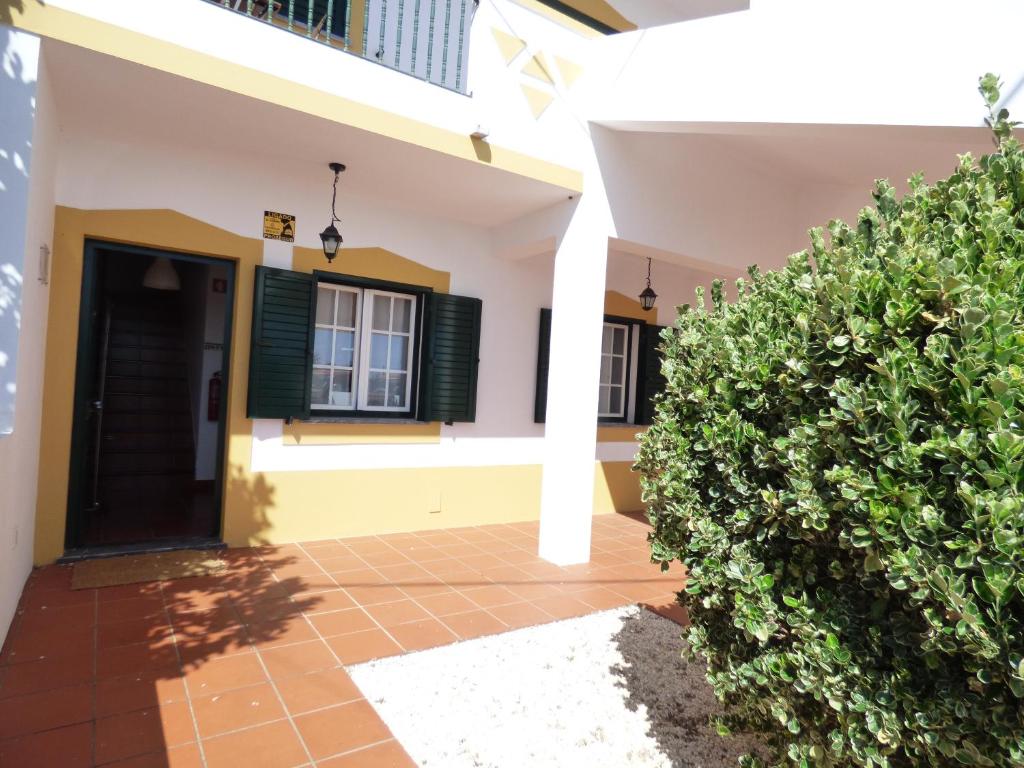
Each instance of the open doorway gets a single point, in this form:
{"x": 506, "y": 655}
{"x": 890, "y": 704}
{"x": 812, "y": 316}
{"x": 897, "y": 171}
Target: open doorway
{"x": 147, "y": 448}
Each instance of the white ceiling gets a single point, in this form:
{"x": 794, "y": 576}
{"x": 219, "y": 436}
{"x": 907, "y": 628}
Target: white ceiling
{"x": 109, "y": 97}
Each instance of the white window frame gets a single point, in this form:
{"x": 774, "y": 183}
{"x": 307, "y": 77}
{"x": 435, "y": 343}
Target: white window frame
{"x": 624, "y": 383}
{"x": 361, "y": 351}
{"x": 364, "y": 362}
{"x": 357, "y": 345}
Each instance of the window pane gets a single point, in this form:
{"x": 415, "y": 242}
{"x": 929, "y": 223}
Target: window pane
{"x": 375, "y": 391}
{"x": 341, "y": 388}
{"x": 399, "y": 352}
{"x": 346, "y": 310}
{"x": 618, "y": 364}
{"x": 321, "y": 385}
{"x": 614, "y": 401}
{"x": 322, "y": 346}
{"x": 343, "y": 347}
{"x": 619, "y": 341}
{"x": 396, "y": 390}
{"x": 379, "y": 350}
{"x": 403, "y": 312}
{"x": 606, "y": 340}
{"x": 606, "y": 369}
{"x": 381, "y": 313}
{"x": 325, "y": 306}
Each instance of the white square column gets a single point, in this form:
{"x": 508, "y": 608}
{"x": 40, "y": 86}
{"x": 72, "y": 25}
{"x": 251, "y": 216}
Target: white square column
{"x": 570, "y": 437}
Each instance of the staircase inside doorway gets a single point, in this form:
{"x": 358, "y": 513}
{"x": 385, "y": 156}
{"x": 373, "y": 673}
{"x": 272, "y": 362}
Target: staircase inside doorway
{"x": 151, "y": 455}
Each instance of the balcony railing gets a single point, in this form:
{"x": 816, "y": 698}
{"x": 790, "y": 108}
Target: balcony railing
{"x": 428, "y": 39}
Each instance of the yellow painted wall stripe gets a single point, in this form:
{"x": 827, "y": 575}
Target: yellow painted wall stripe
{"x": 58, "y": 24}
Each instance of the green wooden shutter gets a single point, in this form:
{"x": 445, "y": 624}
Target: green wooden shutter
{"x": 540, "y": 399}
{"x": 651, "y": 381}
{"x": 281, "y": 356}
{"x": 451, "y": 358}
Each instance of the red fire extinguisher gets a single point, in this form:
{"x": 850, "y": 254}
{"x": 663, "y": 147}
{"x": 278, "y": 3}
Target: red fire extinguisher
{"x": 213, "y": 400}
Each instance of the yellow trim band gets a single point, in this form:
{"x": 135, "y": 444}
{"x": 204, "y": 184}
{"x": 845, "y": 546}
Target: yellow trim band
{"x": 85, "y": 32}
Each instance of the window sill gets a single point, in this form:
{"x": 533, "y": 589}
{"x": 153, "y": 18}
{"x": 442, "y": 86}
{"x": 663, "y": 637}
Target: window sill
{"x": 358, "y": 420}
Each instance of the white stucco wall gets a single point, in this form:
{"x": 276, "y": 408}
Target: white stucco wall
{"x": 495, "y": 99}
{"x": 31, "y": 105}
{"x": 913, "y": 62}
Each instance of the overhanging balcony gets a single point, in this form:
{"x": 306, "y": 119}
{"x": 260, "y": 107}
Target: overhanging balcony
{"x": 427, "y": 39}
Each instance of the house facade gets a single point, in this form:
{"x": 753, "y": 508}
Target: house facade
{"x": 182, "y": 364}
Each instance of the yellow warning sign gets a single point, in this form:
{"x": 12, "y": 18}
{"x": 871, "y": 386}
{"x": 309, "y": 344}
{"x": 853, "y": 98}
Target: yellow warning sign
{"x": 279, "y": 226}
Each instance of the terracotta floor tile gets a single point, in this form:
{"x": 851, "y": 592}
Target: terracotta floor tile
{"x": 518, "y": 556}
{"x": 400, "y": 612}
{"x": 143, "y": 731}
{"x": 274, "y": 609}
{"x": 447, "y": 603}
{"x": 122, "y": 695}
{"x": 343, "y": 562}
{"x": 223, "y": 675}
{"x": 274, "y": 745}
{"x": 473, "y": 624}
{"x": 317, "y": 690}
{"x": 35, "y": 676}
{"x": 430, "y": 585}
{"x": 342, "y": 622}
{"x": 357, "y": 647}
{"x": 340, "y": 729}
{"x": 23, "y": 715}
{"x": 533, "y": 590}
{"x": 132, "y": 608}
{"x": 49, "y": 599}
{"x": 240, "y": 708}
{"x": 373, "y": 594}
{"x": 387, "y": 755}
{"x": 322, "y": 602}
{"x": 273, "y": 634}
{"x": 69, "y": 747}
{"x": 154, "y": 630}
{"x": 316, "y": 582}
{"x": 78, "y": 615}
{"x": 50, "y": 642}
{"x": 563, "y": 606}
{"x": 382, "y": 558}
{"x": 298, "y": 659}
{"x": 420, "y": 635}
{"x": 183, "y": 756}
{"x": 486, "y": 597}
{"x": 148, "y": 589}
{"x": 137, "y": 659}
{"x": 402, "y": 573}
{"x": 519, "y": 615}
{"x": 600, "y": 599}
{"x": 358, "y": 577}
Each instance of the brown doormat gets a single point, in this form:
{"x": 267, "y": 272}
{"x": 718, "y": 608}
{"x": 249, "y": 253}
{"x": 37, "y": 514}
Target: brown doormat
{"x": 131, "y": 569}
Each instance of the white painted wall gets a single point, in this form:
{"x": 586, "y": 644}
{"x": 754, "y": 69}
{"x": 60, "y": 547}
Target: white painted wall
{"x": 913, "y": 62}
{"x": 496, "y": 100}
{"x": 27, "y": 102}
{"x": 687, "y": 194}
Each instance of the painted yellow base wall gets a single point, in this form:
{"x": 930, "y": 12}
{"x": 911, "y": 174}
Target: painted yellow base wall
{"x": 276, "y": 507}
{"x": 616, "y": 488}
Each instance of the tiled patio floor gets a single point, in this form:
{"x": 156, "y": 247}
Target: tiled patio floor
{"x": 248, "y": 668}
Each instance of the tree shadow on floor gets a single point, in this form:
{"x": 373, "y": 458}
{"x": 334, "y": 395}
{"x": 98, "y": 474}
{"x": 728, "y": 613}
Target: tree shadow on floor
{"x": 677, "y": 697}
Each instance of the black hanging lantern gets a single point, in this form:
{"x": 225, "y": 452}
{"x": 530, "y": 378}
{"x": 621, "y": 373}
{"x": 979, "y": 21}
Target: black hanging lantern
{"x": 648, "y": 296}
{"x": 331, "y": 237}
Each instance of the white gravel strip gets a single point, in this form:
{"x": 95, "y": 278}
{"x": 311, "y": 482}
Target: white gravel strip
{"x": 535, "y": 697}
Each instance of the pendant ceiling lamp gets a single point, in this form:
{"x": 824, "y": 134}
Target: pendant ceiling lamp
{"x": 331, "y": 237}
{"x": 648, "y": 296}
{"x": 162, "y": 275}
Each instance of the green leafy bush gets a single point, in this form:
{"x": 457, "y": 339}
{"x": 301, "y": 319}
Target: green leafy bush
{"x": 838, "y": 460}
